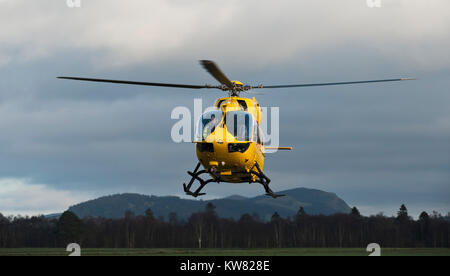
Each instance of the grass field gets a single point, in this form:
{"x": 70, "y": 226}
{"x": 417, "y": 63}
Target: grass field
{"x": 227, "y": 252}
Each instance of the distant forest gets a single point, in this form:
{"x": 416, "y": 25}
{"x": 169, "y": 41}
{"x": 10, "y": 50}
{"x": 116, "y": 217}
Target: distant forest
{"x": 206, "y": 230}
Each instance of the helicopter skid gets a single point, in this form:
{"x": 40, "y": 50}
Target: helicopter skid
{"x": 261, "y": 178}
{"x": 196, "y": 176}
{"x": 264, "y": 180}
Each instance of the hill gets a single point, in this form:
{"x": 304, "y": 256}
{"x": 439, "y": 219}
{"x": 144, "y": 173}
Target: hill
{"x": 313, "y": 201}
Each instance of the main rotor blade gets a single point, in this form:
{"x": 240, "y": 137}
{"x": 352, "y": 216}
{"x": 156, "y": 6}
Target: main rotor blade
{"x": 329, "y": 83}
{"x": 214, "y": 70}
{"x": 141, "y": 83}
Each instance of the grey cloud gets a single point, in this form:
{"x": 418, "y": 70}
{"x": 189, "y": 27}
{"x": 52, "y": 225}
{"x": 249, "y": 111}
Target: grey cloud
{"x": 377, "y": 145}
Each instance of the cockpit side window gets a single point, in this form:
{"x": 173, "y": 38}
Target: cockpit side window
{"x": 240, "y": 125}
{"x": 219, "y": 103}
{"x": 243, "y": 104}
{"x": 208, "y": 123}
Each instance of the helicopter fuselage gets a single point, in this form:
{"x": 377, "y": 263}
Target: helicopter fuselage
{"x": 233, "y": 144}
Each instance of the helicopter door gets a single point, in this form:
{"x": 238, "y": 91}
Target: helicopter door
{"x": 207, "y": 124}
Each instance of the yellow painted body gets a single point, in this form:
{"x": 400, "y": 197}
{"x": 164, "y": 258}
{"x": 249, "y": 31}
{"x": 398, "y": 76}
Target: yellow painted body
{"x": 233, "y": 167}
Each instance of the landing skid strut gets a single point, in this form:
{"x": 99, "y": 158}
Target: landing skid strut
{"x": 262, "y": 179}
{"x": 196, "y": 176}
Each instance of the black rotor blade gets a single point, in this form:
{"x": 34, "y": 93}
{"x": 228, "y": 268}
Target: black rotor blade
{"x": 329, "y": 83}
{"x": 214, "y": 70}
{"x": 141, "y": 83}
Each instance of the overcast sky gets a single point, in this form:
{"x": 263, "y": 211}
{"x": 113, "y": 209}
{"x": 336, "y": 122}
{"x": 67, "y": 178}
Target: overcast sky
{"x": 376, "y": 146}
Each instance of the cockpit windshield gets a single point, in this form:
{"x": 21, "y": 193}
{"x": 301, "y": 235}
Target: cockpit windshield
{"x": 208, "y": 123}
{"x": 240, "y": 125}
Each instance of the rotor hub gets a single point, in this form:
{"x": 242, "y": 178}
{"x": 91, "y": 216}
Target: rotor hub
{"x": 236, "y": 88}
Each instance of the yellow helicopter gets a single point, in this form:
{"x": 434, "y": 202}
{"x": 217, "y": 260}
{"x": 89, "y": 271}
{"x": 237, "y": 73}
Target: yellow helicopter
{"x": 229, "y": 141}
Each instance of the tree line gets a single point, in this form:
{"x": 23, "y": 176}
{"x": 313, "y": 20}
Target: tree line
{"x": 206, "y": 230}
